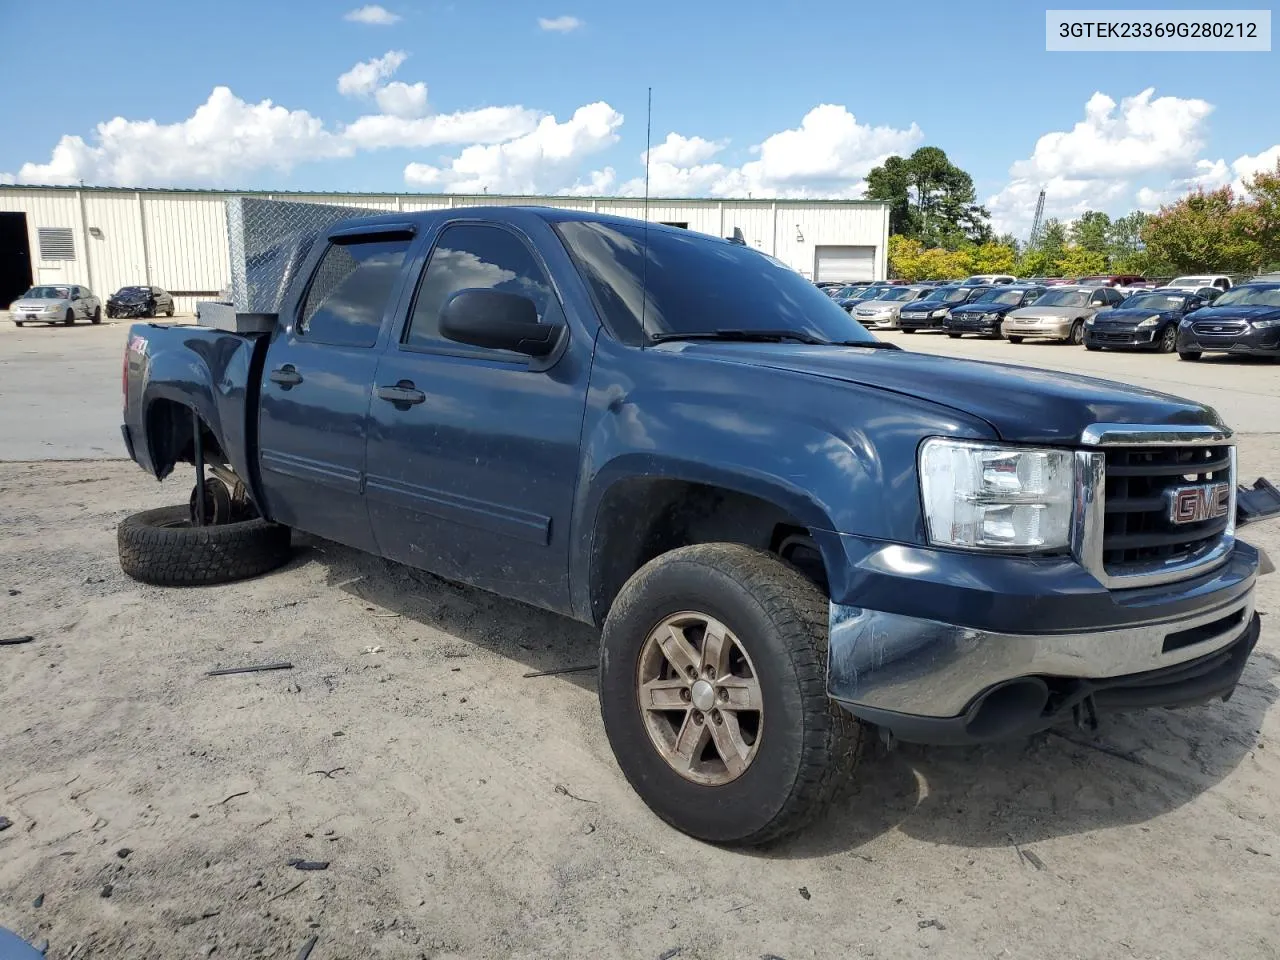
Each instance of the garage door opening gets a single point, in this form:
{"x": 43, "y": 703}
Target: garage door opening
{"x": 844, "y": 264}
{"x": 15, "y": 257}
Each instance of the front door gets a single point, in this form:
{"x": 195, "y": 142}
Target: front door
{"x": 315, "y": 389}
{"x": 472, "y": 455}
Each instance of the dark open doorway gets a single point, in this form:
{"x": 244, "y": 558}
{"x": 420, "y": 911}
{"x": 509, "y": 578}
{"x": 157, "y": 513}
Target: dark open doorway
{"x": 15, "y": 257}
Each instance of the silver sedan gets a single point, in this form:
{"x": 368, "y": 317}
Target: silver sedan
{"x": 56, "y": 303}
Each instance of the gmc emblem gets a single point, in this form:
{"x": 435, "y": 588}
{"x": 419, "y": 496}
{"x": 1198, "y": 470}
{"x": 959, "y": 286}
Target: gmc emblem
{"x": 1208, "y": 501}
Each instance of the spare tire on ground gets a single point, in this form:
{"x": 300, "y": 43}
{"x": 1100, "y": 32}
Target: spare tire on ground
{"x": 161, "y": 547}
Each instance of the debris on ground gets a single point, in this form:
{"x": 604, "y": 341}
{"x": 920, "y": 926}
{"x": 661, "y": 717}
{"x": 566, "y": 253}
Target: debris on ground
{"x": 38, "y": 902}
{"x": 5, "y": 823}
{"x": 14, "y": 641}
{"x": 123, "y": 853}
{"x": 259, "y": 668}
{"x": 668, "y": 954}
{"x": 936, "y": 924}
{"x": 299, "y": 864}
{"x": 308, "y": 947}
{"x": 106, "y": 891}
{"x": 804, "y": 892}
{"x": 583, "y": 668}
{"x": 373, "y": 649}
{"x": 564, "y": 792}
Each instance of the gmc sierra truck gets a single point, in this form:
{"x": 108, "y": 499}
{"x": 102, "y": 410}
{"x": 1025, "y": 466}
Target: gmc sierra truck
{"x": 790, "y": 533}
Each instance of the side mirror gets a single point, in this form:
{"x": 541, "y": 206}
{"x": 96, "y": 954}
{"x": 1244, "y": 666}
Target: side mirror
{"x": 498, "y": 321}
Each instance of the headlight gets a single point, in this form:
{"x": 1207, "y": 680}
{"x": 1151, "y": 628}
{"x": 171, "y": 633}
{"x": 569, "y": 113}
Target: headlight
{"x": 938, "y": 313}
{"x": 1088, "y": 321}
{"x": 1150, "y": 321}
{"x": 986, "y": 497}
{"x": 1266, "y": 324}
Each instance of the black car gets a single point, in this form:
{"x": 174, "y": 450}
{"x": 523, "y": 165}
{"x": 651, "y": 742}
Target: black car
{"x": 1245, "y": 319}
{"x": 984, "y": 315}
{"x": 930, "y": 312}
{"x": 140, "y": 302}
{"x": 1147, "y": 320}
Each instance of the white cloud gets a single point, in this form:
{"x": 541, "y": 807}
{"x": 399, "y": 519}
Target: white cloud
{"x": 599, "y": 183}
{"x": 224, "y": 139}
{"x": 537, "y": 162}
{"x": 559, "y": 24}
{"x": 404, "y": 100}
{"x": 826, "y": 156}
{"x": 364, "y": 78}
{"x": 372, "y": 14}
{"x": 7, "y": 178}
{"x": 1247, "y": 166}
{"x": 1138, "y": 151}
{"x": 483, "y": 126}
{"x": 683, "y": 151}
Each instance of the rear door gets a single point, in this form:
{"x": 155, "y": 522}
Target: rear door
{"x": 474, "y": 480}
{"x": 317, "y": 382}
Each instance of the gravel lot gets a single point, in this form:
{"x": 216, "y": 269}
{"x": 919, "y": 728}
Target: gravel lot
{"x": 468, "y": 811}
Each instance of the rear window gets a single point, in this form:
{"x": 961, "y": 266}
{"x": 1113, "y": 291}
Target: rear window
{"x": 685, "y": 282}
{"x": 349, "y": 292}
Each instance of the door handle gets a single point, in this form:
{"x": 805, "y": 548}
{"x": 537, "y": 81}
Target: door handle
{"x": 403, "y": 392}
{"x": 286, "y": 376}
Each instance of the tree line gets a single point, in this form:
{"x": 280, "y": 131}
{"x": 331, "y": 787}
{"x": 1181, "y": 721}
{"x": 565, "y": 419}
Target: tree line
{"x": 938, "y": 230}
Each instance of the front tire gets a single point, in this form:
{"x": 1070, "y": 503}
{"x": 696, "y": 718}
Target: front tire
{"x": 18, "y": 323}
{"x": 161, "y": 547}
{"x": 1190, "y": 355}
{"x": 97, "y": 315}
{"x": 1076, "y": 335}
{"x": 1168, "y": 340}
{"x": 1092, "y": 347}
{"x": 713, "y": 694}
{"x": 1013, "y": 339}
{"x": 955, "y": 336}
{"x": 69, "y": 319}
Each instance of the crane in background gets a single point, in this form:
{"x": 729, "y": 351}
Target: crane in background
{"x": 1036, "y": 220}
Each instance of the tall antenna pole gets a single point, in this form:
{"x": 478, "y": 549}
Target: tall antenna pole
{"x": 648, "y": 141}
{"x": 644, "y": 274}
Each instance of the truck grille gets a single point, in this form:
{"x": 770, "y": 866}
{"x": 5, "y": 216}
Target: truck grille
{"x": 1138, "y": 531}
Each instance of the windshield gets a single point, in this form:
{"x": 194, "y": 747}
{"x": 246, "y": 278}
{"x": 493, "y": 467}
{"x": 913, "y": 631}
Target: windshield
{"x": 946, "y": 295}
{"x": 1191, "y": 282}
{"x": 1093, "y": 281}
{"x": 871, "y": 293}
{"x": 126, "y": 290}
{"x": 849, "y": 292}
{"x": 1250, "y": 297}
{"x": 47, "y": 293}
{"x": 894, "y": 294}
{"x": 1001, "y": 296}
{"x": 1154, "y": 301}
{"x": 690, "y": 283}
{"x": 1064, "y": 298}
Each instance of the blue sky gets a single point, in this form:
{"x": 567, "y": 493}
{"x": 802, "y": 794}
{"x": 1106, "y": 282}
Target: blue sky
{"x": 730, "y": 79}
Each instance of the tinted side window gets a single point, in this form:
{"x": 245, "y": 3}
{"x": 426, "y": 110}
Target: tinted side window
{"x": 469, "y": 256}
{"x": 349, "y": 293}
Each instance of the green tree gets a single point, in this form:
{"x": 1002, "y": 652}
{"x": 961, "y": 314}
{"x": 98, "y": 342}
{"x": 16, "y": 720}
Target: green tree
{"x": 930, "y": 199}
{"x": 1077, "y": 261}
{"x": 992, "y": 258}
{"x": 1262, "y": 219}
{"x": 904, "y": 258}
{"x": 1040, "y": 259}
{"x": 1124, "y": 239}
{"x": 1206, "y": 231}
{"x": 1089, "y": 232}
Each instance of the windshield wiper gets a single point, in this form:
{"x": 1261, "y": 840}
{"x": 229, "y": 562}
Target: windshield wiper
{"x": 743, "y": 336}
{"x": 771, "y": 336}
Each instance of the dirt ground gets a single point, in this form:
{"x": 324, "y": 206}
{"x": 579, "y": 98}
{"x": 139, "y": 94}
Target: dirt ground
{"x": 468, "y": 811}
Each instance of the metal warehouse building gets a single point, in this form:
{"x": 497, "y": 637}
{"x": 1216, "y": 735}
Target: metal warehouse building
{"x": 107, "y": 238}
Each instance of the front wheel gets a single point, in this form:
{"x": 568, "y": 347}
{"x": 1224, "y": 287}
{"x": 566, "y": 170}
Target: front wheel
{"x": 908, "y": 330}
{"x": 1191, "y": 355}
{"x": 69, "y": 319}
{"x": 1013, "y": 339}
{"x": 1092, "y": 347}
{"x": 1076, "y": 336}
{"x": 17, "y": 323}
{"x": 1168, "y": 340}
{"x": 97, "y": 315}
{"x": 713, "y": 694}
{"x": 955, "y": 336}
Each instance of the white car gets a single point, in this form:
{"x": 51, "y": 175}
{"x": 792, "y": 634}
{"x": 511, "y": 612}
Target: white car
{"x": 56, "y": 303}
{"x": 1222, "y": 283}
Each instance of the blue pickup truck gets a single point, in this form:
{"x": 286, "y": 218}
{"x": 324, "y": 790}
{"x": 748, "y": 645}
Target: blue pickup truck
{"x": 791, "y": 533}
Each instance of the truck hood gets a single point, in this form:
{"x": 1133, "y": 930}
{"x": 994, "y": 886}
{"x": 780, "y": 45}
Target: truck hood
{"x": 1022, "y": 404}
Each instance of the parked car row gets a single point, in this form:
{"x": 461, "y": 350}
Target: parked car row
{"x": 65, "y": 303}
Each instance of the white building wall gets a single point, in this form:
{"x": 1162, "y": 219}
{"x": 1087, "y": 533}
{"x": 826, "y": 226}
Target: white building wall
{"x": 178, "y": 239}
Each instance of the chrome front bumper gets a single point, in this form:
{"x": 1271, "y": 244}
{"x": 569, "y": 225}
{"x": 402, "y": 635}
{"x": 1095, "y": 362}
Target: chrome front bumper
{"x": 889, "y": 662}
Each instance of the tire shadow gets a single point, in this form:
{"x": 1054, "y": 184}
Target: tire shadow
{"x": 1065, "y": 781}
